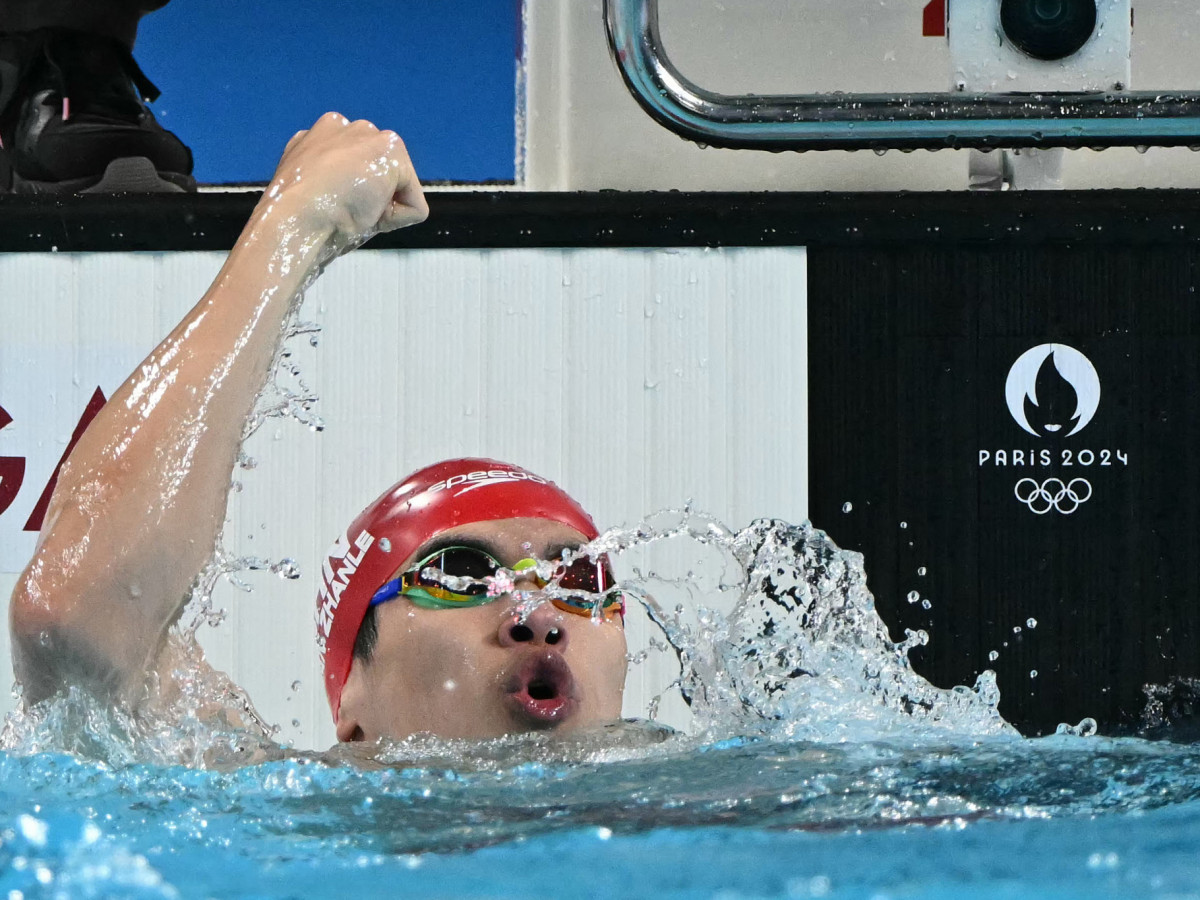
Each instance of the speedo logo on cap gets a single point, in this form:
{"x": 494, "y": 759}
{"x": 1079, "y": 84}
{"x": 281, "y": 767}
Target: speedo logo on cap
{"x": 341, "y": 562}
{"x": 483, "y": 478}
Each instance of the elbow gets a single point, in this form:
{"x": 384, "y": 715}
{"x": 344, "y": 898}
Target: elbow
{"x": 33, "y": 610}
{"x": 63, "y": 637}
{"x": 29, "y": 615}
{"x": 37, "y": 625}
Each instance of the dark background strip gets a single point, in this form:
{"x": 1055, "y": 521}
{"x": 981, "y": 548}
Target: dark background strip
{"x": 212, "y": 221}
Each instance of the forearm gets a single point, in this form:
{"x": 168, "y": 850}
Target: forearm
{"x": 140, "y": 503}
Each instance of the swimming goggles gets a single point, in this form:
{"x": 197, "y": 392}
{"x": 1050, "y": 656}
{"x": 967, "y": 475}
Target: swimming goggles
{"x": 458, "y": 577}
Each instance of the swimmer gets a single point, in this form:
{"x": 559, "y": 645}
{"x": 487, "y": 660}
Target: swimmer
{"x": 451, "y": 605}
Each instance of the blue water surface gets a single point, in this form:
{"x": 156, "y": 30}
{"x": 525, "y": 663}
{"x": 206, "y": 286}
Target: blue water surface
{"x": 1058, "y": 817}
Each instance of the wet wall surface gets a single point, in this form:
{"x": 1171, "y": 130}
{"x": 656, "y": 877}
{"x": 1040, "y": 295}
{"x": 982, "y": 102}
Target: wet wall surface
{"x": 1002, "y": 387}
{"x": 1020, "y": 424}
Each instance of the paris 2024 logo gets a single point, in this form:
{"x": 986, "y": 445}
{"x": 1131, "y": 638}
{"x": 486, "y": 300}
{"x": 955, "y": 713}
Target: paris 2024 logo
{"x": 1053, "y": 392}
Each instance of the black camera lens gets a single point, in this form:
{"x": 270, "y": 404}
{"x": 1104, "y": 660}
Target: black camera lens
{"x": 1048, "y": 29}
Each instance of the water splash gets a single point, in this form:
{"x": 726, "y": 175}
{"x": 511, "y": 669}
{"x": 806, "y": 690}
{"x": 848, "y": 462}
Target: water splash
{"x": 773, "y": 631}
{"x": 195, "y": 716}
{"x": 776, "y": 635}
{"x": 801, "y": 653}
{"x": 286, "y": 393}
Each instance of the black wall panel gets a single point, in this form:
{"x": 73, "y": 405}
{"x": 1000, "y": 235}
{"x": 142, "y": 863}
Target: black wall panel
{"x": 1090, "y": 532}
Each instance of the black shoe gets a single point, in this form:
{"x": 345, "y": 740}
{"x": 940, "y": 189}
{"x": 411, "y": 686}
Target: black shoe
{"x": 73, "y": 119}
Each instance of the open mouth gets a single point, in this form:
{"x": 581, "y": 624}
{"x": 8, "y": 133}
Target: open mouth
{"x": 542, "y": 691}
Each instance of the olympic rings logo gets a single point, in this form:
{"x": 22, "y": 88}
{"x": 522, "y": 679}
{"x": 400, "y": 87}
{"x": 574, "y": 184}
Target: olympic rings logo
{"x": 1053, "y": 493}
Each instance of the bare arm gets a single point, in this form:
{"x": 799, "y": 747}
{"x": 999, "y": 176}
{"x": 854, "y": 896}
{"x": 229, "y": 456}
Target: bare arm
{"x": 140, "y": 502}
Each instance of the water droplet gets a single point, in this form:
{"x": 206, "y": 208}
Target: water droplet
{"x": 296, "y": 685}
{"x": 295, "y": 723}
{"x": 993, "y": 656}
{"x": 847, "y": 506}
{"x": 1031, "y": 623}
{"x": 913, "y": 596}
{"x": 385, "y": 545}
{"x": 286, "y": 568}
{"x": 903, "y": 525}
{"x": 921, "y": 571}
{"x": 926, "y": 604}
{"x": 1033, "y": 673}
{"x": 1016, "y": 629}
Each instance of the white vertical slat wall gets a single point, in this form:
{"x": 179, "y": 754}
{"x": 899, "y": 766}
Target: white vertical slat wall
{"x": 636, "y": 379}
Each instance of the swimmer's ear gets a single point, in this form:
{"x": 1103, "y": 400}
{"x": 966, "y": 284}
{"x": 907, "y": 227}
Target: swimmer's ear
{"x": 348, "y": 727}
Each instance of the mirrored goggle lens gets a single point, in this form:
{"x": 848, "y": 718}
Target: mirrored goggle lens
{"x": 586, "y": 574}
{"x": 466, "y": 565}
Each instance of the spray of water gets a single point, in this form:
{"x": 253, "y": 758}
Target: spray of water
{"x": 198, "y": 718}
{"x": 799, "y": 652}
{"x": 774, "y": 632}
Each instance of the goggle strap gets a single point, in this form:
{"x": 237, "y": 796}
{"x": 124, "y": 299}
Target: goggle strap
{"x": 387, "y": 592}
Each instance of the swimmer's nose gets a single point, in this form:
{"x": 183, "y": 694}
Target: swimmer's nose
{"x": 542, "y": 626}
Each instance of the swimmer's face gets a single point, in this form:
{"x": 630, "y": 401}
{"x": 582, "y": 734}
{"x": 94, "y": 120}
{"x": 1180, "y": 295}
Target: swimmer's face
{"x": 479, "y": 671}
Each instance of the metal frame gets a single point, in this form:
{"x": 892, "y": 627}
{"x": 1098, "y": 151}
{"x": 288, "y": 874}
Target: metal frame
{"x": 885, "y": 121}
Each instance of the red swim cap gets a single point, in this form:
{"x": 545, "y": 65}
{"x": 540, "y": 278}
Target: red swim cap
{"x": 455, "y": 492}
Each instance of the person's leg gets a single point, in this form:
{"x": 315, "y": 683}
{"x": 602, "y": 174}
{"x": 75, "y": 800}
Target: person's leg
{"x": 72, "y": 102}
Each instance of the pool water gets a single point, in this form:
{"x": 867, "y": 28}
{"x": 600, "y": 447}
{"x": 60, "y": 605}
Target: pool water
{"x": 1061, "y": 816}
{"x": 816, "y": 763}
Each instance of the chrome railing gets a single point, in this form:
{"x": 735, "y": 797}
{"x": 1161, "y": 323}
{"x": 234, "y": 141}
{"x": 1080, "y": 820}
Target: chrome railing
{"x": 885, "y": 121}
